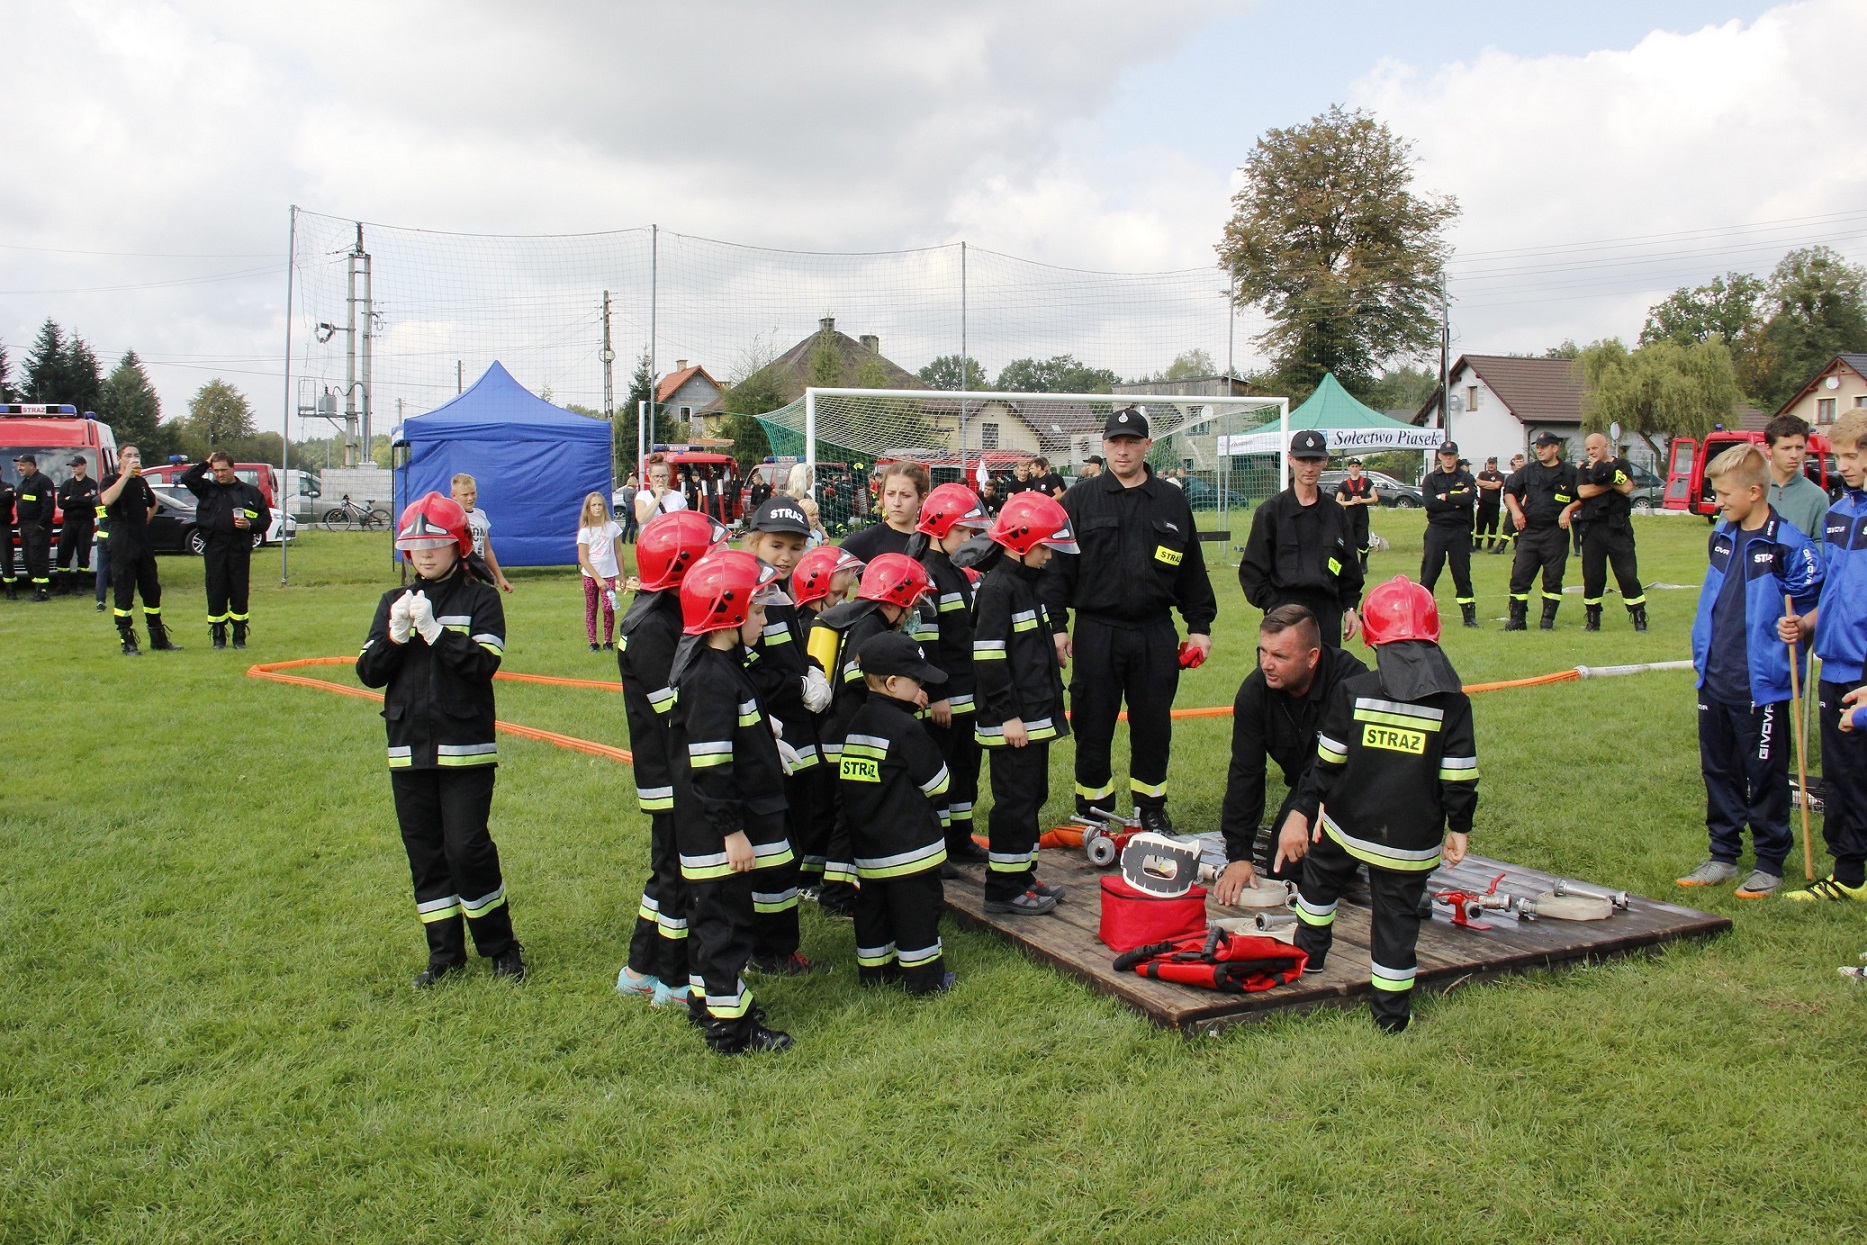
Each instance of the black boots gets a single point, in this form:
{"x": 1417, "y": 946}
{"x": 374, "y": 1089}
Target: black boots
{"x": 1518, "y": 610}
{"x": 438, "y": 971}
{"x": 1638, "y": 613}
{"x": 1549, "y": 615}
{"x": 745, "y": 1036}
{"x": 511, "y": 964}
{"x": 218, "y": 632}
{"x": 1154, "y": 819}
{"x": 12, "y": 591}
{"x": 1470, "y": 610}
{"x": 159, "y": 636}
{"x": 128, "y": 632}
{"x": 41, "y": 592}
{"x": 239, "y": 635}
{"x": 1591, "y": 618}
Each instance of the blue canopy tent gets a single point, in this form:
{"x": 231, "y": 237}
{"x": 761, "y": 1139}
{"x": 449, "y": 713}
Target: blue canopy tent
{"x": 534, "y": 463}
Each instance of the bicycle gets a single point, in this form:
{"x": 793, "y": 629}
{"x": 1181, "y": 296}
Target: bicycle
{"x": 347, "y": 516}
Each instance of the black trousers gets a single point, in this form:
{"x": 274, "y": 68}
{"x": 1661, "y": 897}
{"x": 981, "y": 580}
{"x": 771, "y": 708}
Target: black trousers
{"x": 1485, "y": 526}
{"x": 74, "y": 543}
{"x": 1395, "y": 931}
{"x": 1020, "y": 785}
{"x": 811, "y": 816}
{"x": 227, "y": 561}
{"x": 774, "y": 908}
{"x": 133, "y": 573}
{"x": 1445, "y": 544}
{"x": 658, "y": 945}
{"x": 8, "y": 564}
{"x": 452, "y": 859}
{"x": 1605, "y": 543}
{"x": 1542, "y": 547}
{"x": 1139, "y": 664}
{"x": 1743, "y": 752}
{"x": 1358, "y": 532}
{"x": 960, "y": 749}
{"x": 35, "y": 545}
{"x": 898, "y": 931}
{"x": 720, "y": 935}
{"x": 1844, "y": 784}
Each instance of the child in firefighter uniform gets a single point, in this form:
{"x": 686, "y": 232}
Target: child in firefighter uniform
{"x": 951, "y": 515}
{"x": 1396, "y": 769}
{"x": 894, "y": 786}
{"x": 792, "y": 691}
{"x": 1019, "y": 694}
{"x": 821, "y": 579}
{"x": 645, "y": 644}
{"x": 433, "y": 647}
{"x": 729, "y": 806}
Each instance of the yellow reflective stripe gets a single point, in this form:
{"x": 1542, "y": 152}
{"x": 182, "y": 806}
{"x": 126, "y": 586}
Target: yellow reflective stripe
{"x": 1140, "y": 788}
{"x": 1421, "y": 861}
{"x": 464, "y": 762}
{"x": 1095, "y": 793}
{"x": 1395, "y": 719}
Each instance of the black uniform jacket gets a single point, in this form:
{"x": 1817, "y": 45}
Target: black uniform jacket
{"x": 1392, "y": 776}
{"x": 77, "y": 500}
{"x": 727, "y": 775}
{"x": 1140, "y": 558}
{"x": 857, "y": 620}
{"x": 438, "y": 701}
{"x": 894, "y": 791}
{"x": 1461, "y": 497}
{"x": 647, "y": 637}
{"x": 1298, "y": 548}
{"x": 221, "y": 502}
{"x": 1543, "y": 492}
{"x": 34, "y": 498}
{"x": 950, "y": 649}
{"x": 6, "y": 504}
{"x": 1364, "y": 487}
{"x": 1276, "y": 726}
{"x": 128, "y": 516}
{"x": 1612, "y": 504}
{"x": 777, "y": 664}
{"x": 1014, "y": 655}
{"x": 1490, "y": 498}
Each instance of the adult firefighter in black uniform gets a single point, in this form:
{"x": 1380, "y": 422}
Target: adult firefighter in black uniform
{"x": 129, "y": 503}
{"x": 1299, "y": 552}
{"x": 9, "y": 578}
{"x": 77, "y": 501}
{"x": 34, "y": 500}
{"x": 230, "y": 514}
{"x": 1606, "y": 480}
{"x": 1140, "y": 559}
{"x": 1356, "y": 493}
{"x": 1490, "y": 500}
{"x": 1451, "y": 495}
{"x": 1542, "y": 500}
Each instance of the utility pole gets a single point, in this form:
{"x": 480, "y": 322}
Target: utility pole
{"x": 609, "y": 365}
{"x": 1445, "y": 340}
{"x": 654, "y": 292}
{"x": 460, "y": 384}
{"x": 350, "y": 356}
{"x": 369, "y": 336}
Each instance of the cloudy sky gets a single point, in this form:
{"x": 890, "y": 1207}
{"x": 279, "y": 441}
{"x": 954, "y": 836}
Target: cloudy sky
{"x": 1602, "y": 153}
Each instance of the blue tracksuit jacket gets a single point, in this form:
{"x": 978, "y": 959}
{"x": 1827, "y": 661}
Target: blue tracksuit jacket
{"x": 1781, "y": 561}
{"x": 1841, "y": 630}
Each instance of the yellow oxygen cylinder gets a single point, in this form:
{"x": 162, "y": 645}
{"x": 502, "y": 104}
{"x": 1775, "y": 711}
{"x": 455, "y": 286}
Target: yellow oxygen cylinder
{"x": 825, "y": 645}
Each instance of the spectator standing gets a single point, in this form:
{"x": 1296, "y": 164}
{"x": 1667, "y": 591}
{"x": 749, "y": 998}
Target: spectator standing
{"x": 904, "y": 486}
{"x": 1792, "y": 494}
{"x": 597, "y": 534}
{"x": 1299, "y": 551}
{"x": 77, "y": 501}
{"x": 1356, "y": 493}
{"x": 228, "y": 511}
{"x": 1490, "y": 499}
{"x": 466, "y": 493}
{"x": 33, "y": 502}
{"x": 624, "y": 506}
{"x": 798, "y": 487}
{"x": 130, "y": 503}
{"x": 660, "y": 497}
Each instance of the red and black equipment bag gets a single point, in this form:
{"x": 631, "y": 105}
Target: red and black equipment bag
{"x": 1133, "y": 918}
{"x": 1228, "y": 963}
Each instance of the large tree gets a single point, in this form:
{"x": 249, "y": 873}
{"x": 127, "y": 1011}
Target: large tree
{"x": 1329, "y": 237}
{"x": 1664, "y": 388}
{"x": 1729, "y": 308}
{"x": 1058, "y": 374}
{"x": 945, "y": 372}
{"x": 129, "y": 404}
{"x": 1818, "y": 309}
{"x": 6, "y": 375}
{"x": 61, "y": 369}
{"x": 219, "y": 417}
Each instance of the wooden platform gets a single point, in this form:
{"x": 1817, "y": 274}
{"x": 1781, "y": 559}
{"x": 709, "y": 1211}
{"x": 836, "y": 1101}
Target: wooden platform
{"x": 1448, "y": 956}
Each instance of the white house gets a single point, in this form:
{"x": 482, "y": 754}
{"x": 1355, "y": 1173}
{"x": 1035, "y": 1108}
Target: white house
{"x": 1499, "y": 403}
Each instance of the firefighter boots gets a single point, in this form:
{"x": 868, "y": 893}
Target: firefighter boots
{"x": 41, "y": 592}
{"x": 159, "y": 636}
{"x": 1470, "y": 611}
{"x": 239, "y": 635}
{"x": 437, "y": 971}
{"x": 1639, "y": 615}
{"x": 218, "y": 632}
{"x": 1549, "y": 615}
{"x": 12, "y": 591}
{"x": 128, "y": 633}
{"x": 1154, "y": 819}
{"x": 1591, "y": 618}
{"x": 1518, "y": 609}
{"x": 511, "y": 964}
{"x": 745, "y": 1035}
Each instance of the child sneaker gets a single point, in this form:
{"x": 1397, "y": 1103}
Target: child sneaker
{"x": 1828, "y": 888}
{"x": 1759, "y": 885}
{"x": 1047, "y": 891}
{"x": 670, "y": 996}
{"x": 627, "y": 982}
{"x": 1711, "y": 873}
{"x": 1030, "y": 903}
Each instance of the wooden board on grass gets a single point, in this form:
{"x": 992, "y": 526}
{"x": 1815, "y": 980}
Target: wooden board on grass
{"x": 1066, "y": 940}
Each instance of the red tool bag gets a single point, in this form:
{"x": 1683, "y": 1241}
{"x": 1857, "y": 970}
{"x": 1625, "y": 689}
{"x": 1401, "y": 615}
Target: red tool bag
{"x": 1133, "y": 918}
{"x": 1228, "y": 963}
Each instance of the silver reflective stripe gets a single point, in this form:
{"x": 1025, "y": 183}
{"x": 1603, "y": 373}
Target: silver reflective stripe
{"x": 936, "y": 782}
{"x": 1401, "y": 708}
{"x": 401, "y": 750}
{"x": 706, "y": 749}
{"x": 465, "y": 750}
{"x": 872, "y": 741}
{"x": 475, "y": 907}
{"x": 454, "y": 620}
{"x": 901, "y": 858}
{"x": 1458, "y": 762}
{"x": 1315, "y": 909}
{"x": 774, "y": 897}
{"x": 1406, "y": 857}
{"x": 702, "y": 862}
{"x": 1381, "y": 972}
{"x": 914, "y": 959}
{"x": 438, "y": 905}
{"x": 654, "y": 793}
{"x": 781, "y": 848}
{"x": 490, "y": 640}
{"x": 748, "y": 706}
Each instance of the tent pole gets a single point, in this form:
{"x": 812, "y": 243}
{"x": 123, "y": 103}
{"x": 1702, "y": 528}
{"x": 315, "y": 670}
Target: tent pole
{"x": 285, "y": 455}
{"x": 1283, "y": 444}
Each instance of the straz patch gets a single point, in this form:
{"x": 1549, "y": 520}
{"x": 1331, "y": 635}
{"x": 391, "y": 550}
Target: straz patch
{"x": 1170, "y": 556}
{"x": 860, "y": 769}
{"x": 1389, "y": 738}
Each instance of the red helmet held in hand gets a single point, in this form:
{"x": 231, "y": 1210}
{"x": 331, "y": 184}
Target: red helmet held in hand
{"x": 1399, "y": 610}
{"x": 433, "y": 522}
{"x": 950, "y": 506}
{"x": 670, "y": 544}
{"x": 720, "y": 590}
{"x": 894, "y": 579}
{"x": 810, "y": 578}
{"x": 1031, "y": 519}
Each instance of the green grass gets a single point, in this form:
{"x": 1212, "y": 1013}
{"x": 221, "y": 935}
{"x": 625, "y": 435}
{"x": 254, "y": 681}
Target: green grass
{"x": 206, "y": 1030}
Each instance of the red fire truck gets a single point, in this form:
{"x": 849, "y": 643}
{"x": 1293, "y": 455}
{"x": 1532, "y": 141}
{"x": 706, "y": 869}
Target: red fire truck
{"x": 1687, "y": 488}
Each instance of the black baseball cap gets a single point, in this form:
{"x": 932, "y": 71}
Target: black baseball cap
{"x": 25, "y": 458}
{"x": 77, "y": 460}
{"x": 893, "y": 653}
{"x": 1309, "y": 444}
{"x": 1097, "y": 459}
{"x": 1491, "y": 459}
{"x": 1354, "y": 462}
{"x": 1127, "y": 422}
{"x": 779, "y": 514}
{"x": 1449, "y": 447}
{"x": 1547, "y": 438}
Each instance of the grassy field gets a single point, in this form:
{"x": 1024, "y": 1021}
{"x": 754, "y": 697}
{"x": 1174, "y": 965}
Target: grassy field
{"x": 207, "y": 1033}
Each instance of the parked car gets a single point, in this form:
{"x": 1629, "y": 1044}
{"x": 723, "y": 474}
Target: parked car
{"x": 1390, "y": 491}
{"x": 1649, "y": 491}
{"x": 172, "y": 529}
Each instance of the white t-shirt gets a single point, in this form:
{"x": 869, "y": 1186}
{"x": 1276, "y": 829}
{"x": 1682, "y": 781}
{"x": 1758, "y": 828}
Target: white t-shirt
{"x": 479, "y": 525}
{"x": 671, "y": 501}
{"x": 602, "y": 545}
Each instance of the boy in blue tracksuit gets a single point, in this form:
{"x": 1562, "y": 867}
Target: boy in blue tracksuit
{"x": 1743, "y": 673}
{"x": 1839, "y": 627}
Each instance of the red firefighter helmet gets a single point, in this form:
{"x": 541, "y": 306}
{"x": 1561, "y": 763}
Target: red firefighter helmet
{"x": 670, "y": 544}
{"x": 720, "y": 590}
{"x": 950, "y": 506}
{"x": 1399, "y": 610}
{"x": 810, "y": 578}
{"x": 1031, "y": 519}
{"x": 894, "y": 579}
{"x": 433, "y": 522}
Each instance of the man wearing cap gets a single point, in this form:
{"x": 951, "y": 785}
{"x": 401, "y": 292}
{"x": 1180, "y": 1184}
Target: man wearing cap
{"x": 34, "y": 499}
{"x": 1092, "y": 467}
{"x": 1490, "y": 498}
{"x": 129, "y": 504}
{"x": 1140, "y": 559}
{"x": 77, "y": 501}
{"x": 1300, "y": 551}
{"x": 1542, "y": 500}
{"x": 1450, "y": 494}
{"x": 1605, "y": 483}
{"x": 1356, "y": 493}
{"x": 230, "y": 514}
{"x": 8, "y": 577}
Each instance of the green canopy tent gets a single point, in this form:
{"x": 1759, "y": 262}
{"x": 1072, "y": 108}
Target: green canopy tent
{"x": 1351, "y": 426}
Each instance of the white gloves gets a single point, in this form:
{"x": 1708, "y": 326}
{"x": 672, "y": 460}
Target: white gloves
{"x": 399, "y": 622}
{"x": 787, "y": 755}
{"x": 421, "y": 615}
{"x": 816, "y": 691}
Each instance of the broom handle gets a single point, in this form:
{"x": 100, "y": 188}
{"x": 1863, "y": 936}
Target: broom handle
{"x": 1802, "y": 765}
